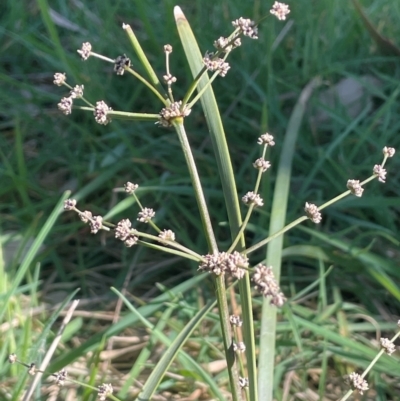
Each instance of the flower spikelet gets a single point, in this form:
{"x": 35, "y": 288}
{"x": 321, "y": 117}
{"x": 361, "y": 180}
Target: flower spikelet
{"x": 229, "y": 263}
{"x": 65, "y": 105}
{"x": 104, "y": 391}
{"x": 121, "y": 64}
{"x": 312, "y": 213}
{"x": 95, "y": 224}
{"x": 216, "y": 64}
{"x": 123, "y": 229}
{"x": 280, "y": 10}
{"x": 247, "y": 27}
{"x": 380, "y": 172}
{"x": 130, "y": 188}
{"x": 266, "y": 284}
{"x": 266, "y": 139}
{"x": 61, "y": 377}
{"x": 262, "y": 164}
{"x": 77, "y": 91}
{"x": 388, "y": 346}
{"x": 252, "y": 198}
{"x": 85, "y": 50}
{"x": 167, "y": 114}
{"x": 69, "y": 204}
{"x": 59, "y": 78}
{"x": 355, "y": 187}
{"x": 223, "y": 44}
{"x": 166, "y": 235}
{"x": 389, "y": 152}
{"x": 146, "y": 215}
{"x": 235, "y": 320}
{"x": 358, "y": 382}
{"x": 101, "y": 113}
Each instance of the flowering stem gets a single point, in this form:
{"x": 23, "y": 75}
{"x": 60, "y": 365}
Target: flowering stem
{"x": 172, "y": 251}
{"x": 198, "y": 190}
{"x": 124, "y": 115}
{"x": 149, "y": 85}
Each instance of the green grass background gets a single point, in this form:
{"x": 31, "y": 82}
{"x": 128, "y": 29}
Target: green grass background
{"x": 43, "y": 153}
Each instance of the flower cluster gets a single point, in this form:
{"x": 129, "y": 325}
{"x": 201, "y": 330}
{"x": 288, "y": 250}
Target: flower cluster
{"x": 216, "y": 64}
{"x": 124, "y": 232}
{"x": 101, "y": 113}
{"x": 146, "y": 214}
{"x": 262, "y": 164}
{"x": 247, "y": 27}
{"x": 266, "y": 139}
{"x": 225, "y": 45}
{"x": 280, "y": 10}
{"x": 252, "y": 198}
{"x": 267, "y": 285}
{"x": 166, "y": 235}
{"x": 104, "y": 391}
{"x": 388, "y": 346}
{"x": 313, "y": 213}
{"x": 355, "y": 187}
{"x": 167, "y": 114}
{"x": 358, "y": 382}
{"x": 95, "y": 222}
{"x": 121, "y": 64}
{"x": 225, "y": 263}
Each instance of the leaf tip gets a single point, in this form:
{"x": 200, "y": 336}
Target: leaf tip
{"x": 178, "y": 13}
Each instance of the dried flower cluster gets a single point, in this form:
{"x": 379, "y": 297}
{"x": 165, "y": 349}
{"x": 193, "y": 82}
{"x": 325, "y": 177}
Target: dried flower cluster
{"x": 252, "y": 198}
{"x": 266, "y": 139}
{"x": 267, "y": 285}
{"x": 233, "y": 264}
{"x": 121, "y": 64}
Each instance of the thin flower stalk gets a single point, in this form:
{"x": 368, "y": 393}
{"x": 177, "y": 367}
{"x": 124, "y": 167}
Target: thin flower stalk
{"x": 124, "y": 115}
{"x": 303, "y": 218}
{"x": 250, "y": 210}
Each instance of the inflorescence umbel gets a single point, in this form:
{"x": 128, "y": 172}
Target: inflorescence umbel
{"x": 231, "y": 263}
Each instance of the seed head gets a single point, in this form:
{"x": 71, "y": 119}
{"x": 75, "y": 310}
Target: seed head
{"x": 312, "y": 213}
{"x": 262, "y": 164}
{"x": 247, "y": 27}
{"x": 146, "y": 215}
{"x": 380, "y": 172}
{"x": 229, "y": 263}
{"x": 59, "y": 78}
{"x": 121, "y": 64}
{"x": 388, "y": 346}
{"x": 77, "y": 92}
{"x": 65, "y": 105}
{"x": 167, "y": 235}
{"x": 239, "y": 347}
{"x": 216, "y": 64}
{"x": 358, "y": 382}
{"x": 60, "y": 376}
{"x": 266, "y": 284}
{"x": 168, "y": 49}
{"x": 235, "y": 320}
{"x": 252, "y": 198}
{"x": 95, "y": 224}
{"x": 101, "y": 113}
{"x": 167, "y": 114}
{"x": 12, "y": 358}
{"x": 104, "y": 391}
{"x": 130, "y": 188}
{"x": 85, "y": 50}
{"x": 266, "y": 139}
{"x": 69, "y": 204}
{"x": 280, "y": 10}
{"x": 355, "y": 187}
{"x": 389, "y": 152}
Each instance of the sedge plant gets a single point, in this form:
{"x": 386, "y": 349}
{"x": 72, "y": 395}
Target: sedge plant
{"x": 249, "y": 359}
